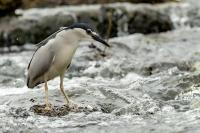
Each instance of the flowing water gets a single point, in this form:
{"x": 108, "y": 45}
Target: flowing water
{"x": 145, "y": 83}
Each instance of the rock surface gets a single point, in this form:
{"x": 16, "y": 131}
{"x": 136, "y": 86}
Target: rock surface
{"x": 145, "y": 83}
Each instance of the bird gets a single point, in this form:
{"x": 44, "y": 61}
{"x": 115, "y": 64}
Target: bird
{"x": 54, "y": 55}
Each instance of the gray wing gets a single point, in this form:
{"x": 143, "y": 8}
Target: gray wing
{"x": 45, "y": 41}
{"x": 40, "y": 62}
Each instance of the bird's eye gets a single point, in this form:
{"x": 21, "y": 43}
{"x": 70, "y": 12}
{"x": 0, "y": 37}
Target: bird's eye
{"x": 89, "y": 31}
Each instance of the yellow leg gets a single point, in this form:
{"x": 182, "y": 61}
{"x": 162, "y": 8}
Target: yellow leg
{"x": 46, "y": 97}
{"x": 62, "y": 89}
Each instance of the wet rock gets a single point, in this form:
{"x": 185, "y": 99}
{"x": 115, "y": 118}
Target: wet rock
{"x": 35, "y": 29}
{"x": 109, "y": 20}
{"x": 119, "y": 21}
{"x": 60, "y": 111}
{"x": 149, "y": 21}
{"x": 55, "y": 111}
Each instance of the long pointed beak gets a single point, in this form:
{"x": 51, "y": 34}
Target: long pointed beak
{"x": 99, "y": 39}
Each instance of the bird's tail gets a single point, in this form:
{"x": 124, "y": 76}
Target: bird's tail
{"x": 29, "y": 83}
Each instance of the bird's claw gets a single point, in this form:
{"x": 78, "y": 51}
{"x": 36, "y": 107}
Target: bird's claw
{"x": 48, "y": 107}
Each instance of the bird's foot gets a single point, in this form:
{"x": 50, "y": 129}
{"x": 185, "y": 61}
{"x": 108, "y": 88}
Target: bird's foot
{"x": 48, "y": 107}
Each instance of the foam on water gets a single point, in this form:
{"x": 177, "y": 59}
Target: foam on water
{"x": 10, "y": 91}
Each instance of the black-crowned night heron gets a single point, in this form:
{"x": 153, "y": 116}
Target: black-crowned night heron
{"x": 54, "y": 56}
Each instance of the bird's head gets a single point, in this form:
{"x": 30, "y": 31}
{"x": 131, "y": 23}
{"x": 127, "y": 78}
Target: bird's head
{"x": 85, "y": 32}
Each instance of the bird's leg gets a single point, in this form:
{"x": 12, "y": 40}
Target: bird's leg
{"x": 62, "y": 90}
{"x": 46, "y": 97}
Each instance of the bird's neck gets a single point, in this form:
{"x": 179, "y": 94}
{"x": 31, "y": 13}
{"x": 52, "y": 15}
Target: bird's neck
{"x": 66, "y": 41}
{"x": 69, "y": 37}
